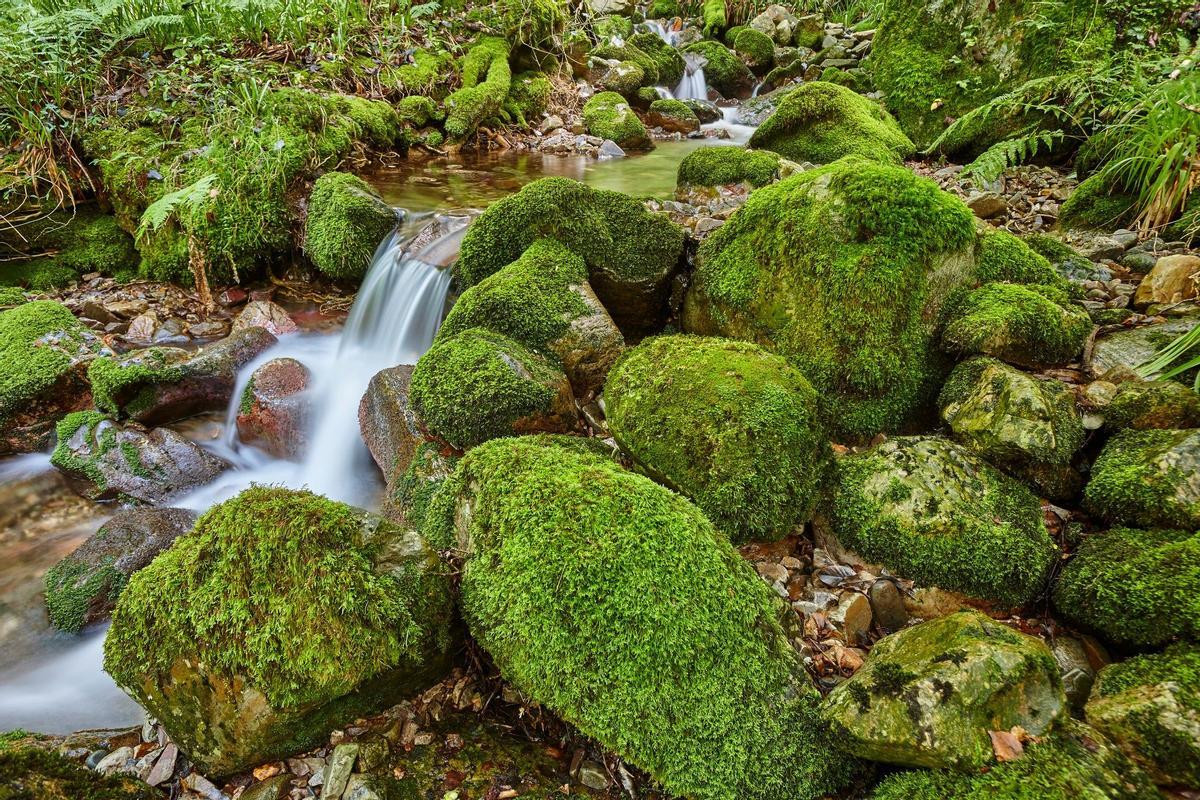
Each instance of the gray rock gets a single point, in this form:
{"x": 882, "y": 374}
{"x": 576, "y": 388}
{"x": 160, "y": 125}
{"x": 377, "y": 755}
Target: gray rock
{"x": 887, "y": 605}
{"x": 389, "y": 425}
{"x": 1076, "y": 669}
{"x": 337, "y": 772}
{"x": 987, "y": 205}
{"x": 266, "y": 315}
{"x": 593, "y": 776}
{"x": 610, "y": 149}
{"x": 1130, "y": 348}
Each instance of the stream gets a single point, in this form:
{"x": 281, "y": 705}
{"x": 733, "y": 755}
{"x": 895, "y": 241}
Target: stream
{"x": 53, "y": 682}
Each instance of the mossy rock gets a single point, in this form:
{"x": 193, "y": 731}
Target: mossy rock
{"x": 847, "y": 291}
{"x": 84, "y": 586}
{"x": 667, "y": 62}
{"x": 477, "y": 385}
{"x": 1136, "y": 588}
{"x": 673, "y": 116}
{"x": 724, "y": 71}
{"x": 1002, "y": 257}
{"x": 487, "y": 79}
{"x": 608, "y": 115}
{"x": 1074, "y": 762}
{"x": 11, "y": 296}
{"x": 280, "y": 616}
{"x": 725, "y": 166}
{"x": 347, "y": 220}
{"x": 533, "y": 23}
{"x": 625, "y": 78}
{"x": 929, "y": 695}
{"x": 37, "y": 774}
{"x": 1143, "y": 405}
{"x": 1030, "y": 326}
{"x": 631, "y": 254}
{"x": 931, "y": 511}
{"x": 1150, "y": 706}
{"x": 543, "y": 300}
{"x": 63, "y": 246}
{"x": 572, "y": 573}
{"x": 1147, "y": 479}
{"x": 822, "y": 122}
{"x": 407, "y": 498}
{"x": 530, "y": 95}
{"x": 725, "y": 423}
{"x": 1095, "y": 205}
{"x": 44, "y": 356}
{"x": 756, "y": 49}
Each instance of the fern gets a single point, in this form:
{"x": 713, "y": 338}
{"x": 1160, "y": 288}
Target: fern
{"x": 187, "y": 198}
{"x": 1011, "y": 152}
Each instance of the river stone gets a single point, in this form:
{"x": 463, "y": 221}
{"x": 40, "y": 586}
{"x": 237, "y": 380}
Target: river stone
{"x": 267, "y": 315}
{"x": 106, "y": 461}
{"x": 1129, "y": 348}
{"x": 275, "y": 410}
{"x": 1148, "y": 479}
{"x": 1143, "y": 405}
{"x": 1075, "y": 666}
{"x": 1171, "y": 280}
{"x": 388, "y": 423}
{"x": 887, "y": 605}
{"x": 161, "y": 385}
{"x": 929, "y": 695}
{"x": 83, "y": 587}
{"x": 780, "y": 24}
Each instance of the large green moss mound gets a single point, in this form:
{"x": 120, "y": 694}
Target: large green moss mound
{"x": 616, "y": 604}
{"x": 1137, "y": 588}
{"x": 346, "y": 222}
{"x": 1095, "y": 205}
{"x": 725, "y": 423}
{"x": 29, "y": 364}
{"x": 608, "y": 115}
{"x": 723, "y": 70}
{"x": 847, "y": 290}
{"x": 722, "y": 166}
{"x": 62, "y": 246}
{"x": 822, "y": 122}
{"x": 36, "y": 774}
{"x": 487, "y": 78}
{"x": 1147, "y": 479}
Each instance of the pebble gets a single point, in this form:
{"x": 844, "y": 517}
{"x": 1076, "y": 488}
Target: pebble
{"x": 853, "y": 616}
{"x": 593, "y": 776}
{"x": 887, "y": 605}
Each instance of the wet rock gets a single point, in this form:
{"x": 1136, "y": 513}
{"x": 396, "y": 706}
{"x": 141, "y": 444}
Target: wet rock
{"x": 1095, "y": 246}
{"x": 1075, "y": 666}
{"x": 610, "y": 149}
{"x": 273, "y": 788}
{"x": 930, "y": 695}
{"x": 1148, "y": 479}
{"x": 1172, "y": 280}
{"x": 705, "y": 110}
{"x": 1132, "y": 347}
{"x": 275, "y": 410}
{"x": 267, "y": 315}
{"x": 142, "y": 328}
{"x": 1142, "y": 405}
{"x": 593, "y": 776}
{"x": 83, "y": 587}
{"x": 853, "y": 617}
{"x": 337, "y": 771}
{"x": 162, "y": 385}
{"x": 887, "y": 605}
{"x": 781, "y": 25}
{"x": 105, "y": 461}
{"x": 407, "y": 497}
{"x": 987, "y": 205}
{"x": 389, "y": 425}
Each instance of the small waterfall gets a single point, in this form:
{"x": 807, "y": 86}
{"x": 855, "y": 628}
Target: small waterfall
{"x": 757, "y": 86}
{"x": 664, "y": 93}
{"x": 692, "y": 86}
{"x": 657, "y": 27}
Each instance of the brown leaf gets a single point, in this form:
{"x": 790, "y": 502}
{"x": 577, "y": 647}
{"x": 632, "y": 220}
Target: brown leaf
{"x": 1006, "y": 746}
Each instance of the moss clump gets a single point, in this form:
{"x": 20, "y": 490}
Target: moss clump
{"x": 126, "y": 385}
{"x": 721, "y": 166}
{"x": 486, "y": 79}
{"x": 39, "y": 344}
{"x": 1143, "y": 478}
{"x": 346, "y": 222}
{"x": 822, "y": 122}
{"x": 37, "y": 774}
{"x": 11, "y": 296}
{"x": 533, "y": 23}
{"x": 529, "y": 95}
{"x": 71, "y": 587}
{"x": 756, "y": 49}
{"x": 844, "y": 290}
{"x": 1030, "y": 326}
{"x": 933, "y": 512}
{"x": 63, "y": 246}
{"x": 1002, "y": 257}
{"x": 726, "y": 424}
{"x": 1143, "y": 405}
{"x": 422, "y": 75}
{"x": 419, "y": 111}
{"x": 609, "y": 116}
{"x": 713, "y": 15}
{"x": 1138, "y": 588}
{"x": 662, "y": 9}
{"x": 1072, "y": 763}
{"x": 409, "y": 497}
{"x": 724, "y": 71}
{"x": 673, "y": 115}
{"x": 572, "y": 578}
{"x": 1094, "y": 205}
{"x": 668, "y": 63}
{"x": 478, "y": 385}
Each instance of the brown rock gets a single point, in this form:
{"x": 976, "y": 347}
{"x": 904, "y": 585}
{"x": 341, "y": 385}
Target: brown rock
{"x": 390, "y": 427}
{"x": 274, "y": 411}
{"x": 265, "y": 314}
{"x": 1171, "y": 281}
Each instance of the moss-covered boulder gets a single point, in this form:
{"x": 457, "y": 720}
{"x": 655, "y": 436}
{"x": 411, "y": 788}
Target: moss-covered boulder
{"x": 159, "y": 385}
{"x": 478, "y": 384}
{"x": 104, "y": 461}
{"x": 1142, "y": 405}
{"x": 723, "y": 69}
{"x": 280, "y": 616}
{"x": 1094, "y": 205}
{"x": 725, "y": 423}
{"x": 1150, "y": 706}
{"x": 929, "y": 695}
{"x": 486, "y": 80}
{"x": 665, "y": 62}
{"x": 631, "y": 254}
{"x": 84, "y": 586}
{"x": 1136, "y": 588}
{"x": 37, "y": 774}
{"x": 1074, "y": 762}
{"x": 572, "y": 579}
{"x": 64, "y": 245}
{"x": 347, "y": 220}
{"x": 1024, "y": 424}
{"x": 1002, "y": 257}
{"x": 930, "y": 510}
{"x": 275, "y": 410}
{"x": 726, "y": 166}
{"x": 1148, "y": 479}
{"x": 756, "y": 49}
{"x": 44, "y": 356}
{"x": 407, "y": 498}
{"x": 544, "y": 301}
{"x": 848, "y": 291}
{"x": 1030, "y": 326}
{"x": 608, "y": 115}
{"x": 672, "y": 116}
{"x": 822, "y": 122}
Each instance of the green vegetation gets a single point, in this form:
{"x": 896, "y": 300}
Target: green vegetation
{"x": 724, "y": 71}
{"x": 40, "y": 343}
{"x": 409, "y": 496}
{"x": 33, "y": 773}
{"x": 1031, "y": 326}
{"x": 1002, "y": 257}
{"x": 573, "y": 572}
{"x": 726, "y": 424}
{"x": 673, "y": 112}
{"x": 486, "y": 80}
{"x": 1142, "y": 477}
{"x": 1094, "y": 204}
{"x": 126, "y": 384}
{"x": 721, "y": 166}
{"x": 58, "y": 248}
{"x": 1119, "y": 583}
{"x": 756, "y": 48}
{"x": 714, "y": 16}
{"x": 346, "y": 222}
{"x": 609, "y": 116}
{"x": 72, "y": 586}
{"x": 1153, "y": 404}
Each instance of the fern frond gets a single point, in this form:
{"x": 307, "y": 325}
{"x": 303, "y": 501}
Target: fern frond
{"x": 1011, "y": 152}
{"x": 158, "y": 212}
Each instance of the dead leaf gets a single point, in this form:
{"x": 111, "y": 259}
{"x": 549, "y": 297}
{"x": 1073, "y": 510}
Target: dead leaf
{"x": 1006, "y": 746}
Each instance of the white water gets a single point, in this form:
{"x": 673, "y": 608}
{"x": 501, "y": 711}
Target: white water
{"x": 669, "y": 36}
{"x": 692, "y": 86}
{"x": 738, "y": 133}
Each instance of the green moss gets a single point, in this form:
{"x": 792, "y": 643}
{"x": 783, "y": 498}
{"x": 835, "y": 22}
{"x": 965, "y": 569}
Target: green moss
{"x": 726, "y": 424}
{"x": 487, "y": 79}
{"x": 423, "y": 75}
{"x": 419, "y": 110}
{"x": 37, "y": 343}
{"x": 713, "y": 15}
{"x": 1153, "y": 404}
{"x": 934, "y": 513}
{"x": 72, "y": 586}
{"x": 11, "y": 296}
{"x": 1002, "y": 257}
{"x": 673, "y": 112}
{"x": 573, "y": 576}
{"x": 533, "y": 23}
{"x": 1073, "y": 763}
{"x": 67, "y": 461}
{"x": 1094, "y": 205}
{"x": 1056, "y": 251}
{"x": 62, "y": 246}
{"x": 843, "y": 289}
{"x": 123, "y": 385}
{"x": 478, "y": 385}
{"x": 668, "y": 65}
{"x": 1032, "y": 326}
{"x": 37, "y": 774}
{"x": 724, "y": 71}
{"x": 346, "y": 222}
{"x": 1180, "y": 663}
{"x": 1138, "y": 480}
{"x": 415, "y": 488}
{"x": 611, "y": 26}
{"x": 721, "y": 166}
{"x": 530, "y": 95}
{"x": 663, "y": 9}
{"x": 278, "y": 586}
{"x": 609, "y": 116}
{"x": 1137, "y": 588}
{"x": 822, "y": 122}
{"x": 756, "y": 48}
